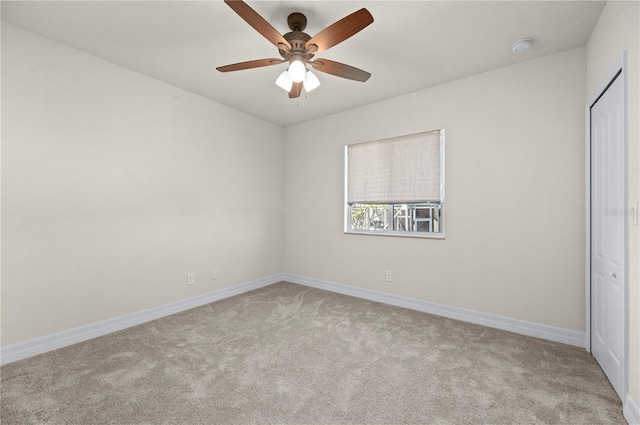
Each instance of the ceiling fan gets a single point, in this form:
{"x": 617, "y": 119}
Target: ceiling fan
{"x": 298, "y": 48}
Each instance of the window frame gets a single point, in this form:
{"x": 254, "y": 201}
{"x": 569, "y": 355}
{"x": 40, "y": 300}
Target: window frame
{"x": 391, "y": 232}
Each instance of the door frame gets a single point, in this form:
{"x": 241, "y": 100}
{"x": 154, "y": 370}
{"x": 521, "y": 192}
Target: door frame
{"x": 619, "y": 70}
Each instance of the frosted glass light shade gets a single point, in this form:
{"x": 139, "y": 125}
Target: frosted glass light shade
{"x": 284, "y": 81}
{"x": 297, "y": 71}
{"x": 310, "y": 81}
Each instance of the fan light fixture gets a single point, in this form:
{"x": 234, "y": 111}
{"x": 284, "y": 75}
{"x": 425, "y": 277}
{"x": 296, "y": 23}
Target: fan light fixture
{"x": 297, "y": 71}
{"x": 309, "y": 80}
{"x": 284, "y": 81}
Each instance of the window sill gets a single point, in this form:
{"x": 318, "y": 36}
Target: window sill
{"x": 422, "y": 235}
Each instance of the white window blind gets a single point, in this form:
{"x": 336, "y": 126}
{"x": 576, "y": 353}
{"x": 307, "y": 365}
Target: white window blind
{"x": 399, "y": 170}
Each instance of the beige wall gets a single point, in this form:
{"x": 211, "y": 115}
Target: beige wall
{"x": 115, "y": 185}
{"x": 618, "y": 30}
{"x": 514, "y": 190}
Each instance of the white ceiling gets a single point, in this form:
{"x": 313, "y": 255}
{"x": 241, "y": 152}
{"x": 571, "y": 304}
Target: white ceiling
{"x": 411, "y": 45}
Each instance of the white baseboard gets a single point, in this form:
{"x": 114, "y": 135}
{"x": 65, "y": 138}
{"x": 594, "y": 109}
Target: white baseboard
{"x": 631, "y": 411}
{"x": 551, "y": 333}
{"x": 41, "y": 345}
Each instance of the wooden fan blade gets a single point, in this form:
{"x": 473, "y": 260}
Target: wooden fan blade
{"x": 249, "y": 64}
{"x": 340, "y": 70}
{"x": 257, "y": 22}
{"x": 340, "y": 31}
{"x": 296, "y": 90}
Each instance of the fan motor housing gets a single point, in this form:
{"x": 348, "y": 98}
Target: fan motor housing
{"x": 296, "y": 38}
{"x": 298, "y": 41}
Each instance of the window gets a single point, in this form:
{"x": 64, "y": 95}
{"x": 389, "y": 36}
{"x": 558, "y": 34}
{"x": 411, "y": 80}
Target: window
{"x": 396, "y": 186}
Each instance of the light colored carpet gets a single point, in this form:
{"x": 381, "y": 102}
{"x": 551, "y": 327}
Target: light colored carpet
{"x": 288, "y": 354}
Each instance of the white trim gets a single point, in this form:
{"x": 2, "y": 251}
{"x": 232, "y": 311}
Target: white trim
{"x": 631, "y": 412}
{"x": 587, "y": 223}
{"x": 619, "y": 70}
{"x": 57, "y": 340}
{"x": 551, "y": 333}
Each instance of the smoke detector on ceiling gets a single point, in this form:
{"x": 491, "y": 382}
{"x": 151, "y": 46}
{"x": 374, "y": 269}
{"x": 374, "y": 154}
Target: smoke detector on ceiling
{"x": 523, "y": 45}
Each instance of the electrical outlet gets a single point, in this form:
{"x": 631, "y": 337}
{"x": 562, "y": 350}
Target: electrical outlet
{"x": 389, "y": 276}
{"x": 214, "y": 274}
{"x": 191, "y": 278}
